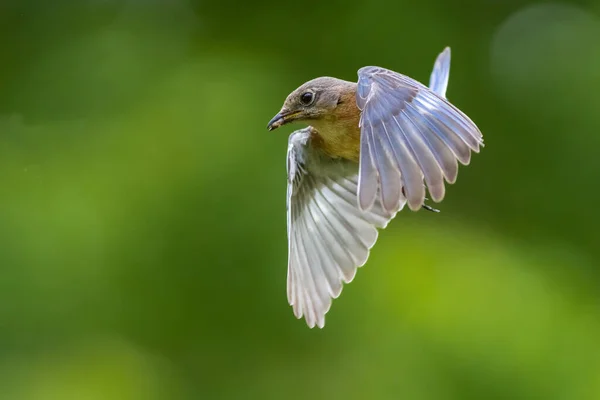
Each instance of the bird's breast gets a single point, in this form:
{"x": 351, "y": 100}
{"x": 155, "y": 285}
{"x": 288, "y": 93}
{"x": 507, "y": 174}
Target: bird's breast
{"x": 338, "y": 134}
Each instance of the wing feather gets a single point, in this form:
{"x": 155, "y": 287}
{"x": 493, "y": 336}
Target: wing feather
{"x": 329, "y": 236}
{"x": 410, "y": 134}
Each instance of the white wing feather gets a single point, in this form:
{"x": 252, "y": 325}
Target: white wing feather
{"x": 329, "y": 237}
{"x": 410, "y": 133}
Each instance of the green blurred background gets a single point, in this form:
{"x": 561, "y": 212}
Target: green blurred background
{"x": 142, "y": 207}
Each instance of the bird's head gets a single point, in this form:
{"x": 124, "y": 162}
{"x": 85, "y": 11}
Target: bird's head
{"x": 313, "y": 101}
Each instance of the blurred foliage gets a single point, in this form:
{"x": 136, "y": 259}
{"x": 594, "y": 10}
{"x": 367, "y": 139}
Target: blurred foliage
{"x": 142, "y": 216}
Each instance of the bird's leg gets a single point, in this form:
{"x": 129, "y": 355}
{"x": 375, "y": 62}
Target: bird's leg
{"x": 429, "y": 208}
{"x": 425, "y": 206}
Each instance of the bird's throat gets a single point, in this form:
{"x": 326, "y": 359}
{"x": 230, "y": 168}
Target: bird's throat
{"x": 338, "y": 134}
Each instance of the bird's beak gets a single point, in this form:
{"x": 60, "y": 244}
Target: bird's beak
{"x": 281, "y": 118}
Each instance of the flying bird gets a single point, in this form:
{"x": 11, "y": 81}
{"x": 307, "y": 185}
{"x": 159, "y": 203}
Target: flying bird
{"x": 372, "y": 147}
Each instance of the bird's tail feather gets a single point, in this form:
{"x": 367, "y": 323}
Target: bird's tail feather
{"x": 438, "y": 82}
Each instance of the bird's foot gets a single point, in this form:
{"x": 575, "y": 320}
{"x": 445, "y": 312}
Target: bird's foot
{"x": 429, "y": 208}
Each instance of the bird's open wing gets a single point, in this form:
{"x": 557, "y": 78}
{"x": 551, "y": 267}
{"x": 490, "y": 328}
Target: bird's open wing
{"x": 329, "y": 237}
{"x": 409, "y": 133}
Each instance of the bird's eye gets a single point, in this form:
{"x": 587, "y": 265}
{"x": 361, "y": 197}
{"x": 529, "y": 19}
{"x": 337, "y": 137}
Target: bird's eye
{"x": 306, "y": 98}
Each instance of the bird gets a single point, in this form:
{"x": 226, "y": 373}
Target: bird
{"x": 370, "y": 148}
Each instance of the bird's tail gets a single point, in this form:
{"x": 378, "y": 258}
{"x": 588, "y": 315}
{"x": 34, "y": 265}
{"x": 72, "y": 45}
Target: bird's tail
{"x": 438, "y": 82}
